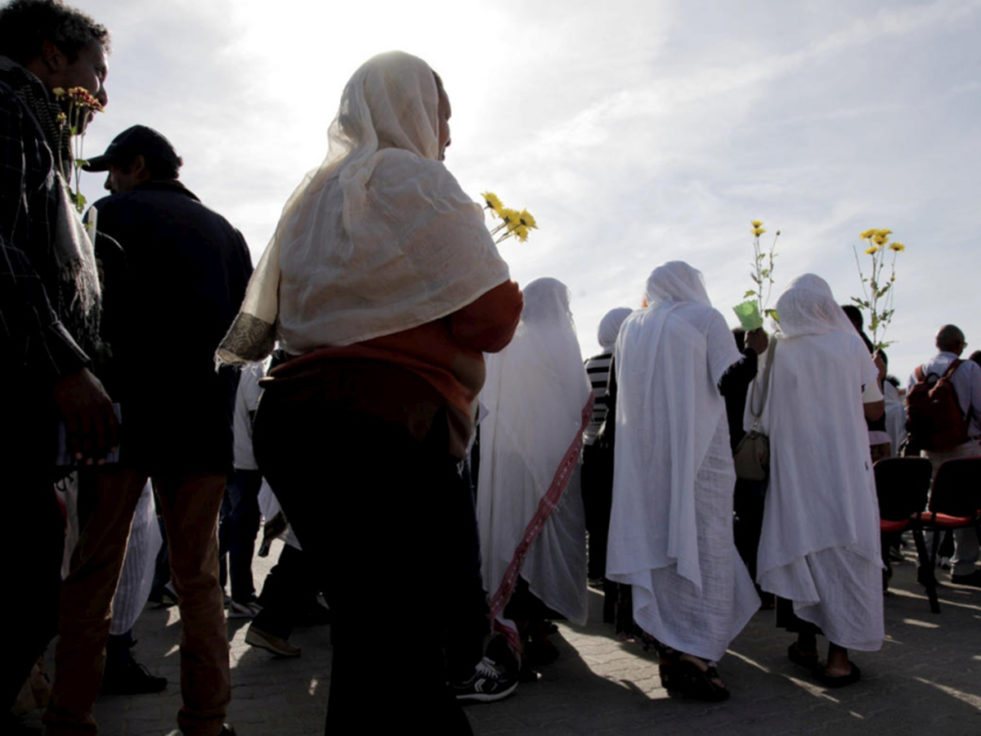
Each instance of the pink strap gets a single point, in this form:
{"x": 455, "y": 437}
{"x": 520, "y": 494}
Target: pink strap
{"x": 546, "y": 506}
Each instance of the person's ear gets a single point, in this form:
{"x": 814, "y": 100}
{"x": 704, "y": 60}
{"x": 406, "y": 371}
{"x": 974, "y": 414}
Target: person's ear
{"x": 53, "y": 58}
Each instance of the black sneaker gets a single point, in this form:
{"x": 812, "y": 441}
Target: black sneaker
{"x": 130, "y": 678}
{"x": 485, "y": 685}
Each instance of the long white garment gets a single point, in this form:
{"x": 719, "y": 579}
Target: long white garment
{"x": 529, "y": 508}
{"x": 380, "y": 238}
{"x": 820, "y": 541}
{"x": 671, "y": 533}
{"x": 136, "y": 576}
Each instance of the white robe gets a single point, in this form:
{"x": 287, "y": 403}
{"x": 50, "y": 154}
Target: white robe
{"x": 537, "y": 396}
{"x": 820, "y": 541}
{"x": 671, "y": 534}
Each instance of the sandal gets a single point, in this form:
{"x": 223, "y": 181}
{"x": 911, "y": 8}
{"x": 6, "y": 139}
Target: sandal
{"x": 804, "y": 659}
{"x": 839, "y": 680}
{"x": 694, "y": 682}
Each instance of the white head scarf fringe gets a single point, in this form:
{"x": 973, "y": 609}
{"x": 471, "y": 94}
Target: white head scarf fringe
{"x": 380, "y": 238}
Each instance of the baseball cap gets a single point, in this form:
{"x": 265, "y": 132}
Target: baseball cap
{"x": 135, "y": 141}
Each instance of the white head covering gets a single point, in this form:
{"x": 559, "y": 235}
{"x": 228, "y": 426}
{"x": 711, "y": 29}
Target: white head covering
{"x": 529, "y": 509}
{"x": 676, "y": 281}
{"x": 808, "y": 307}
{"x": 380, "y": 238}
{"x": 609, "y": 327}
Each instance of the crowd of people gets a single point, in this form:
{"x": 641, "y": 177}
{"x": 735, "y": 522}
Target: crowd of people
{"x": 423, "y": 433}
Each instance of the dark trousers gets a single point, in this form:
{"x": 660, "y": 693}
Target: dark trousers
{"x": 290, "y": 588}
{"x": 32, "y": 540}
{"x": 237, "y": 531}
{"x": 383, "y": 517}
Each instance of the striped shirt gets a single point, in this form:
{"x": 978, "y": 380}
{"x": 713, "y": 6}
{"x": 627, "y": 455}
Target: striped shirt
{"x": 598, "y": 370}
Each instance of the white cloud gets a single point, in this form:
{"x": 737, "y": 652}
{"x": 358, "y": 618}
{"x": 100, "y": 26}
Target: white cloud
{"x": 636, "y": 132}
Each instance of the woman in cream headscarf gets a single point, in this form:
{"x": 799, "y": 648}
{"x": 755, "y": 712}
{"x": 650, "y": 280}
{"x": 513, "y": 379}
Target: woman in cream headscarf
{"x": 820, "y": 544}
{"x": 671, "y": 535}
{"x": 384, "y": 287}
{"x": 529, "y": 507}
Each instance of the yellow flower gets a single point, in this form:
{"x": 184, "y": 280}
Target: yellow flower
{"x": 880, "y": 239}
{"x": 58, "y": 92}
{"x": 527, "y": 220}
{"x": 756, "y": 223}
{"x": 492, "y": 202}
{"x": 61, "y": 118}
{"x": 511, "y": 217}
{"x": 867, "y": 235}
{"x": 758, "y": 231}
{"x": 521, "y": 233}
{"x": 898, "y": 247}
{"x": 872, "y": 249}
{"x": 884, "y": 233}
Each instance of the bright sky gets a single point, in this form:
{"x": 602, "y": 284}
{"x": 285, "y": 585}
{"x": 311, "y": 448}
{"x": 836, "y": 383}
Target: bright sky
{"x": 635, "y": 132}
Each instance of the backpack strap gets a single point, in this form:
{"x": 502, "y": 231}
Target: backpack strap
{"x": 954, "y": 365}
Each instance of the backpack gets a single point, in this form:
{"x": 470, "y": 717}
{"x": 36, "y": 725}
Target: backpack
{"x": 934, "y": 418}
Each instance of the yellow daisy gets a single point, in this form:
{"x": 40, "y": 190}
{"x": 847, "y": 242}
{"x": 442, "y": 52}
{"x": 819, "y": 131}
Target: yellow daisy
{"x": 867, "y": 235}
{"x": 756, "y": 223}
{"x": 898, "y": 247}
{"x": 872, "y": 249}
{"x": 492, "y": 202}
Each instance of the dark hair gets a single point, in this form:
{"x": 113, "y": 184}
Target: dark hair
{"x": 976, "y": 357}
{"x": 26, "y": 24}
{"x": 160, "y": 169}
{"x": 950, "y": 339}
{"x": 854, "y": 314}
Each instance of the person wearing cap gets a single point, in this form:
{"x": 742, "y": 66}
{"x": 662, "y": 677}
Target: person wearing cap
{"x": 49, "y": 310}
{"x": 175, "y": 273}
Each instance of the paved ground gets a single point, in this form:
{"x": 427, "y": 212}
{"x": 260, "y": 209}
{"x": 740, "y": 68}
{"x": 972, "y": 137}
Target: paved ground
{"x": 926, "y": 679}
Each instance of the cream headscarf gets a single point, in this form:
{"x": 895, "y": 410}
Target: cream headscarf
{"x": 380, "y": 238}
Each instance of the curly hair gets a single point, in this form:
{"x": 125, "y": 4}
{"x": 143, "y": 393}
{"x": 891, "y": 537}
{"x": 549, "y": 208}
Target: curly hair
{"x": 26, "y": 24}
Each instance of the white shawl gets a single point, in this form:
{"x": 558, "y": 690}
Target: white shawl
{"x": 380, "y": 238}
{"x": 529, "y": 510}
{"x": 668, "y": 409}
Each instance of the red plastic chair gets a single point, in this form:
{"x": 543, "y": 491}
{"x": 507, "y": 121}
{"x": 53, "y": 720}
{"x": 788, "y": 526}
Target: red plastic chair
{"x": 955, "y": 503}
{"x": 902, "y": 485}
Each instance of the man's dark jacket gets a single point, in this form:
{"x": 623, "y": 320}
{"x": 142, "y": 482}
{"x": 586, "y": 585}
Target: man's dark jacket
{"x": 172, "y": 287}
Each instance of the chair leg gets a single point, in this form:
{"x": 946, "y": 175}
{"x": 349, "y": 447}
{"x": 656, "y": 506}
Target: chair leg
{"x": 926, "y": 574}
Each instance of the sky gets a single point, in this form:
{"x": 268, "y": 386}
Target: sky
{"x": 635, "y": 132}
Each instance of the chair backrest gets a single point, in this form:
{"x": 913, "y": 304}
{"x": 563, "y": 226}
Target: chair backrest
{"x": 957, "y": 487}
{"x": 902, "y": 485}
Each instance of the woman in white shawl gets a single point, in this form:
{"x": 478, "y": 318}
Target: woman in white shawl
{"x": 384, "y": 288}
{"x": 820, "y": 544}
{"x": 671, "y": 535}
{"x": 529, "y": 507}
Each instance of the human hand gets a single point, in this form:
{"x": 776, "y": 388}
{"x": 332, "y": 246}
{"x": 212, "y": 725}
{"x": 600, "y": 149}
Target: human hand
{"x": 757, "y": 340}
{"x": 90, "y": 421}
{"x": 880, "y": 364}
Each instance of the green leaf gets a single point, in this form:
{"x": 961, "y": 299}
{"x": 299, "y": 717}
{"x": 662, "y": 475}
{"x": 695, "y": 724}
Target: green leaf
{"x": 749, "y": 294}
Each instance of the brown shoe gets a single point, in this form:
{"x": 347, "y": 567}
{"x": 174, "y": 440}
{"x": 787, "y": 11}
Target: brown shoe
{"x": 270, "y": 642}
